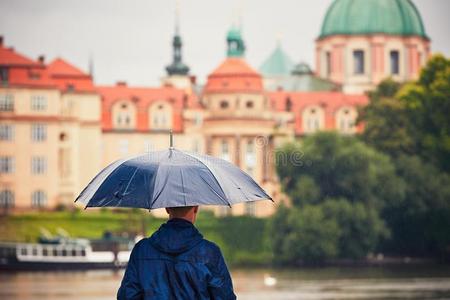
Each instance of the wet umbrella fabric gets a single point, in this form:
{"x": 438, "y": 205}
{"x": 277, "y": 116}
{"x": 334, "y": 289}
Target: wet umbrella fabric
{"x": 170, "y": 178}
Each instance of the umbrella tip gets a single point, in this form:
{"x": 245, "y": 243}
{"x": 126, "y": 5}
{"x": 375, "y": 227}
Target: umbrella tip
{"x": 171, "y": 139}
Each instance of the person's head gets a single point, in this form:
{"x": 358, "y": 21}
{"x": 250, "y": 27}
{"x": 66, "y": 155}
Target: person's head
{"x": 183, "y": 212}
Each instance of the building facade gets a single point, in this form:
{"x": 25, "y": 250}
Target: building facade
{"x": 57, "y": 129}
{"x": 365, "y": 41}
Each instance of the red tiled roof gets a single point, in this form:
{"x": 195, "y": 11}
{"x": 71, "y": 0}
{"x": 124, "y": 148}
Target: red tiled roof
{"x": 8, "y": 57}
{"x": 329, "y": 101}
{"x": 143, "y": 97}
{"x": 234, "y": 75}
{"x": 58, "y": 74}
{"x": 60, "y": 67}
{"x": 68, "y": 77}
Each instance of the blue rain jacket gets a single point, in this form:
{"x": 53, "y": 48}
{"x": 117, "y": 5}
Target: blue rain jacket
{"x": 176, "y": 262}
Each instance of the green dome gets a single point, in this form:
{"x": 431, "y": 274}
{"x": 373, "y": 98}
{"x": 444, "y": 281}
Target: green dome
{"x": 394, "y": 17}
{"x": 277, "y": 64}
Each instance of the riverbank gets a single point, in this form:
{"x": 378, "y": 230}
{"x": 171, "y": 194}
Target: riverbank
{"x": 241, "y": 239}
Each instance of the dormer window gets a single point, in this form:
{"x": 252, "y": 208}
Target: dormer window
{"x": 4, "y": 74}
{"x": 70, "y": 87}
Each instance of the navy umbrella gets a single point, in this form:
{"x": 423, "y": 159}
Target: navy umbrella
{"x": 170, "y": 178}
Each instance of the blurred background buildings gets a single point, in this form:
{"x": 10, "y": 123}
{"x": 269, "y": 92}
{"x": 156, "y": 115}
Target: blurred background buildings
{"x": 58, "y": 129}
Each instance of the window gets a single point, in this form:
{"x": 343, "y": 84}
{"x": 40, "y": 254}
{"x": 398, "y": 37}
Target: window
{"x": 224, "y": 104}
{"x": 124, "y": 113}
{"x": 395, "y": 67}
{"x": 358, "y": 62}
{"x": 38, "y": 103}
{"x": 288, "y": 104}
{"x": 250, "y": 208}
{"x": 249, "y": 104}
{"x": 224, "y": 150}
{"x": 6, "y": 132}
{"x": 38, "y": 132}
{"x": 345, "y": 120}
{"x": 250, "y": 158}
{"x": 4, "y": 75}
{"x": 328, "y": 63}
{"x": 6, "y": 198}
{"x": 195, "y": 146}
{"x": 313, "y": 119}
{"x": 6, "y": 102}
{"x": 38, "y": 199}
{"x": 198, "y": 119}
{"x": 160, "y": 115}
{"x": 6, "y": 164}
{"x": 38, "y": 165}
{"x": 123, "y": 147}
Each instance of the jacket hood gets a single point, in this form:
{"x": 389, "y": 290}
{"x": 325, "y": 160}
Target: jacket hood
{"x": 176, "y": 236}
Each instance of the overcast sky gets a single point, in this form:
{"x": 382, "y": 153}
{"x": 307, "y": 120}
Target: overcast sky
{"x": 131, "y": 40}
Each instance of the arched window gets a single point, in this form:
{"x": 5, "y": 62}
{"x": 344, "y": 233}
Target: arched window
{"x": 250, "y": 157}
{"x": 345, "y": 120}
{"x": 6, "y": 198}
{"x": 224, "y": 150}
{"x": 124, "y": 115}
{"x": 313, "y": 119}
{"x": 160, "y": 116}
{"x": 38, "y": 199}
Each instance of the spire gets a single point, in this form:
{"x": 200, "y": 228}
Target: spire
{"x": 235, "y": 43}
{"x": 177, "y": 67}
{"x": 91, "y": 66}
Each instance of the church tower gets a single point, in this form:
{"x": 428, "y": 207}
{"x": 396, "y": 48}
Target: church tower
{"x": 177, "y": 71}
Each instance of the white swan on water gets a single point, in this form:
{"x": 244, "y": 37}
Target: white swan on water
{"x": 269, "y": 280}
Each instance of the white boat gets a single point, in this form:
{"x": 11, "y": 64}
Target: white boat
{"x": 65, "y": 254}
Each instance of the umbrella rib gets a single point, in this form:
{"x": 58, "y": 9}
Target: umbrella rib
{"x": 212, "y": 173}
{"x": 129, "y": 181}
{"x": 182, "y": 186}
{"x": 99, "y": 176}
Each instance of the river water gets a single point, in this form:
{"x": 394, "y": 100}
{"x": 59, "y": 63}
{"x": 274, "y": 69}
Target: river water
{"x": 375, "y": 283}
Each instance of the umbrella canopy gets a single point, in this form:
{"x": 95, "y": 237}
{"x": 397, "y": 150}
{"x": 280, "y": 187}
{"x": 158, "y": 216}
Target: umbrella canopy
{"x": 170, "y": 178}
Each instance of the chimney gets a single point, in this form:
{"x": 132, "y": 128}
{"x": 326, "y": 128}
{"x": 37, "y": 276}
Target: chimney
{"x": 1, "y": 40}
{"x": 121, "y": 83}
{"x": 41, "y": 59}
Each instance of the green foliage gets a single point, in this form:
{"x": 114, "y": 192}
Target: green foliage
{"x": 412, "y": 119}
{"x": 386, "y": 121}
{"x": 309, "y": 238}
{"x": 337, "y": 198}
{"x": 420, "y": 221}
{"x": 361, "y": 227}
{"x": 339, "y": 166}
{"x": 428, "y": 108}
{"x": 411, "y": 124}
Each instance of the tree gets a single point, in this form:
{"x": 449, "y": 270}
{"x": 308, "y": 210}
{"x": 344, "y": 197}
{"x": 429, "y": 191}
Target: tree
{"x": 308, "y": 236}
{"x": 339, "y": 166}
{"x": 361, "y": 228}
{"x": 419, "y": 222}
{"x": 427, "y": 103}
{"x": 386, "y": 122}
